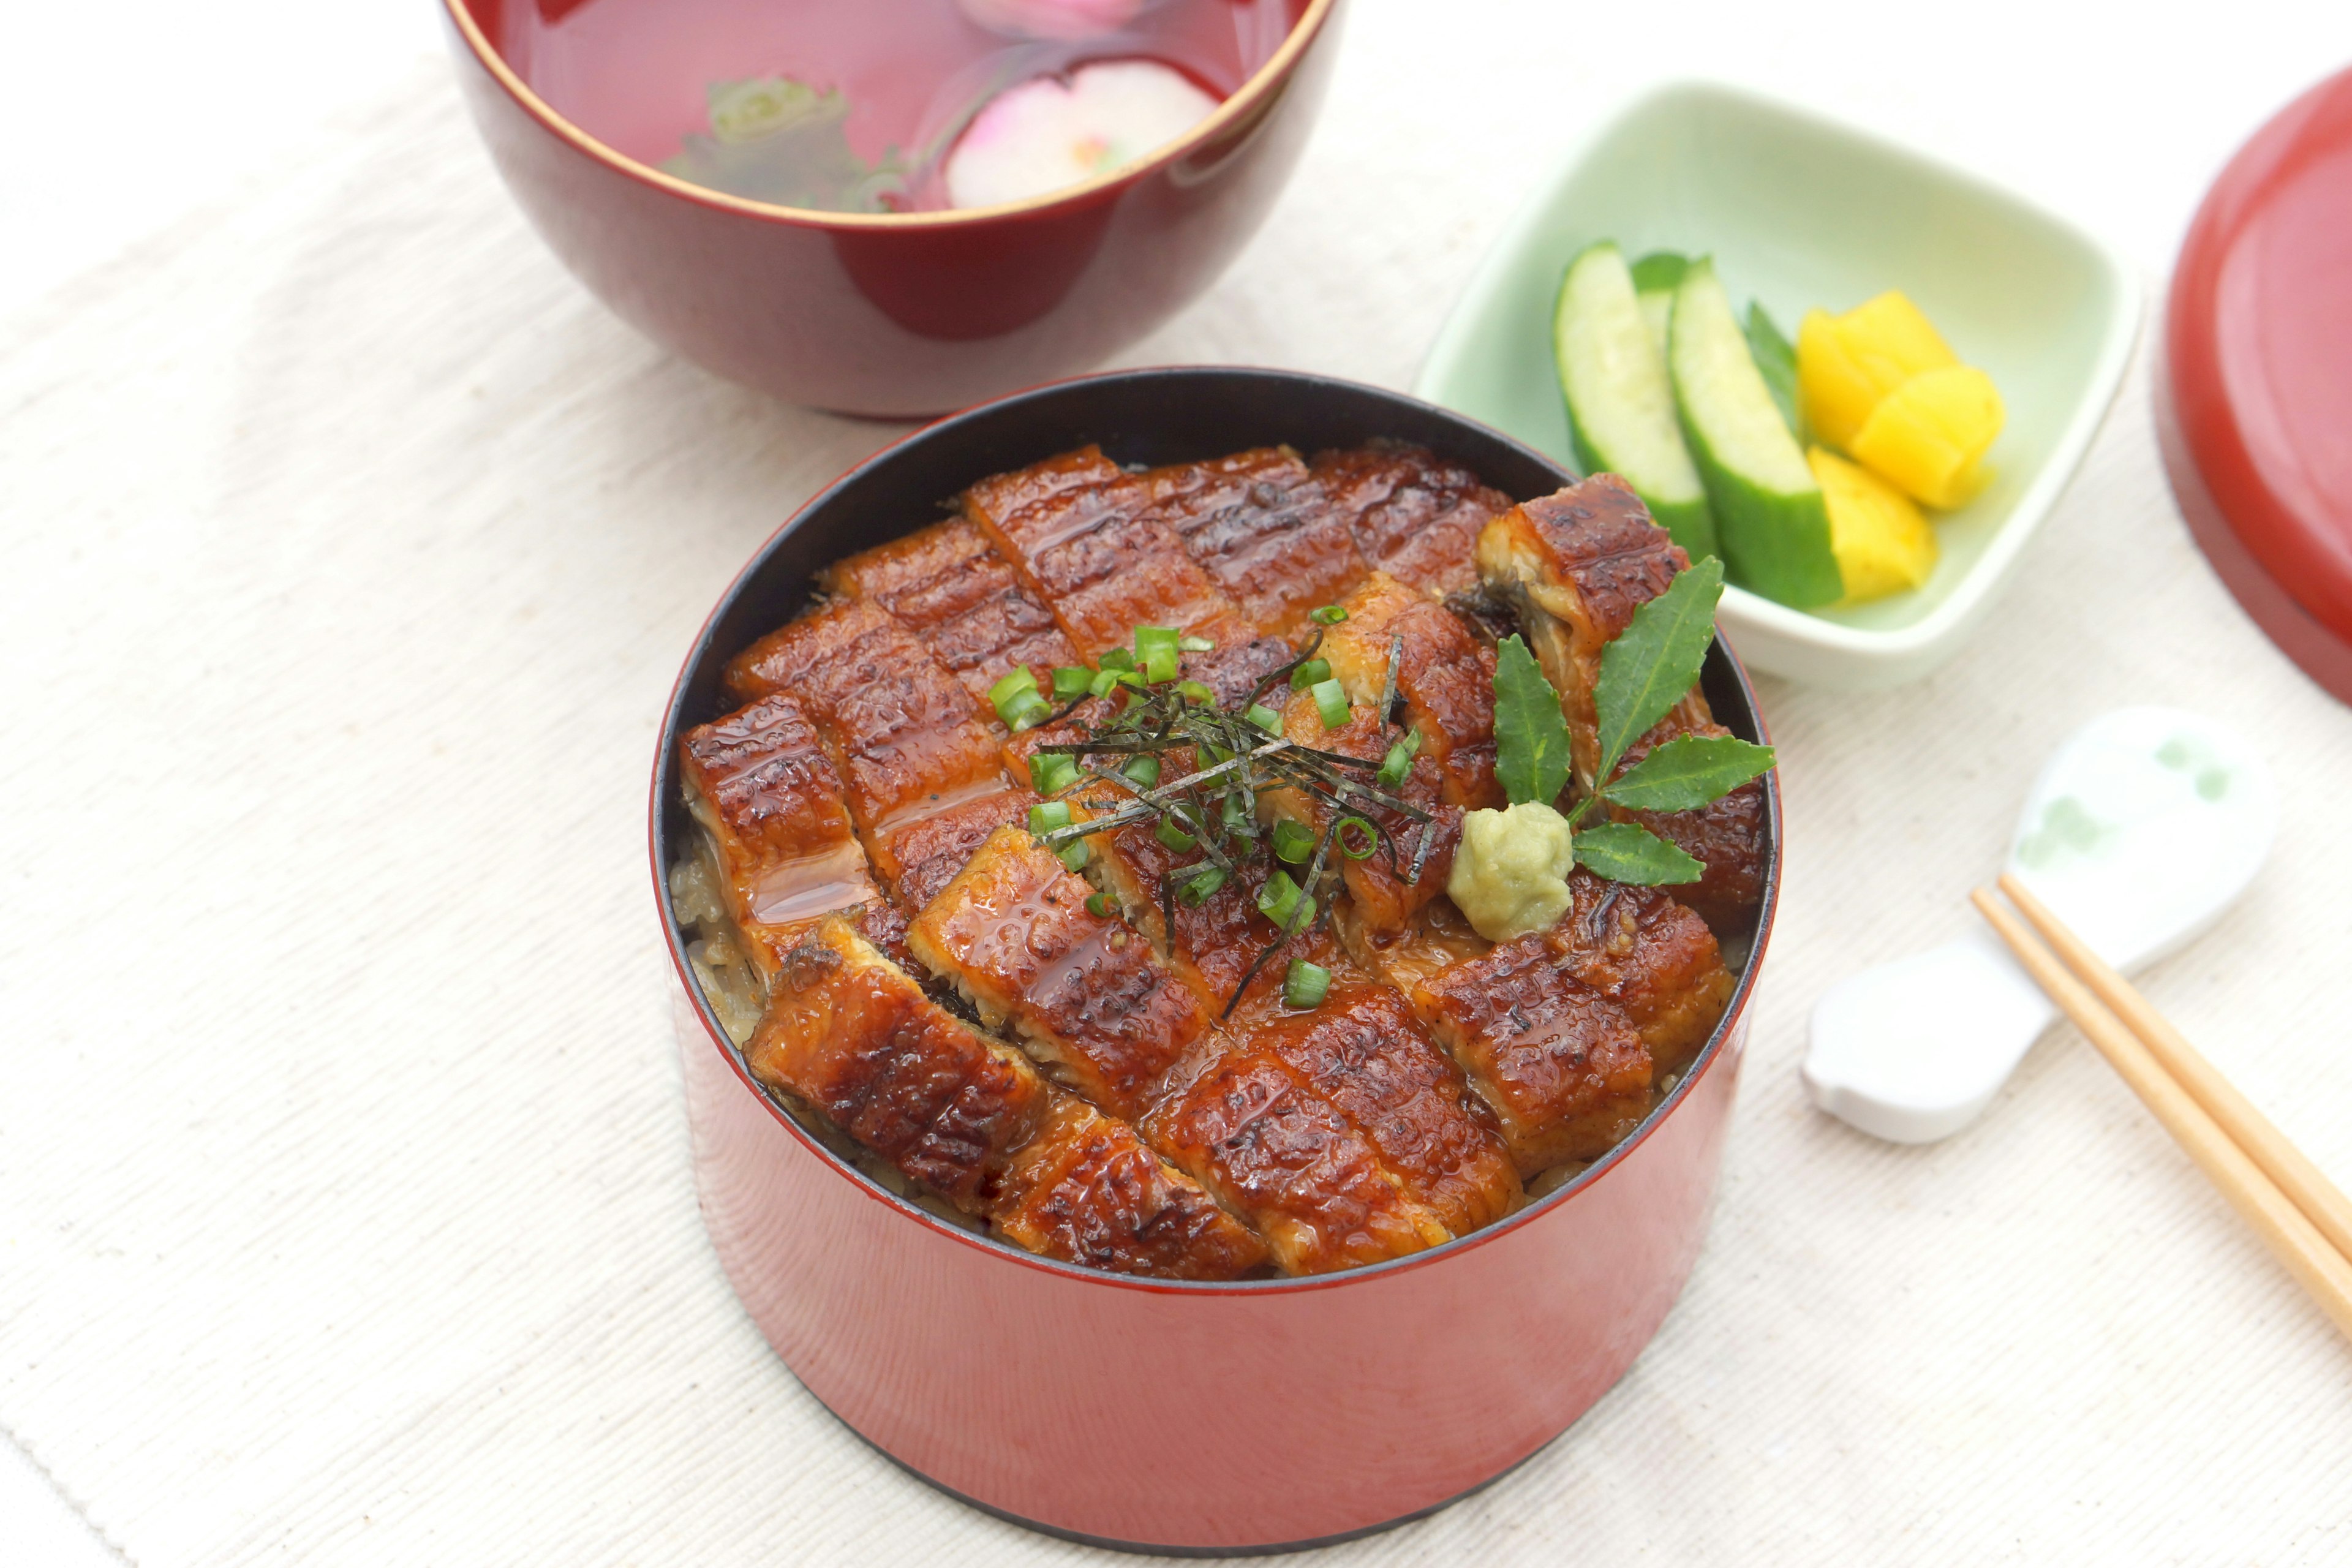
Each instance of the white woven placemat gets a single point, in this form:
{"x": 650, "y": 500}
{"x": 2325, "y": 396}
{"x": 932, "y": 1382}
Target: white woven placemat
{"x": 349, "y": 551}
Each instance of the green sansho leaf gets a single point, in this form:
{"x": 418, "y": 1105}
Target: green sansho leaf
{"x": 1687, "y": 771}
{"x": 1625, "y": 853}
{"x": 1531, "y": 735}
{"x": 1651, "y": 665}
{"x": 1776, "y": 358}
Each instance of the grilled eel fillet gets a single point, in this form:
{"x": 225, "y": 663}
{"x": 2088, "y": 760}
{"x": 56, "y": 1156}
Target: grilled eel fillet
{"x": 1646, "y": 955}
{"x": 1363, "y": 1049}
{"x": 1561, "y": 1067}
{"x": 1387, "y": 892}
{"x": 1578, "y": 564}
{"x": 1079, "y": 534}
{"x": 1414, "y": 515}
{"x": 1261, "y": 525}
{"x": 1063, "y": 559}
{"x": 1445, "y": 691}
{"x": 1445, "y": 680}
{"x": 1561, "y": 1032}
{"x": 1341, "y": 1151}
{"x": 1084, "y": 994}
{"x": 771, "y": 811}
{"x": 948, "y": 585}
{"x": 925, "y": 773}
{"x": 851, "y": 1033}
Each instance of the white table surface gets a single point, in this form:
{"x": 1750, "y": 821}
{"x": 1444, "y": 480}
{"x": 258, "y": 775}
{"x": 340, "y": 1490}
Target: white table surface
{"x": 346, "y": 551}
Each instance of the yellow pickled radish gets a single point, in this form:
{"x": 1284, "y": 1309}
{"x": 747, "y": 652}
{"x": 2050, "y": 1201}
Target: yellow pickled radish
{"x": 1928, "y": 435}
{"x": 1847, "y": 365}
{"x": 1892, "y": 340}
{"x": 1882, "y": 543}
{"x": 1834, "y": 391}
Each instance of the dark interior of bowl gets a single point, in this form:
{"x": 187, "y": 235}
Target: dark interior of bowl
{"x": 1145, "y": 416}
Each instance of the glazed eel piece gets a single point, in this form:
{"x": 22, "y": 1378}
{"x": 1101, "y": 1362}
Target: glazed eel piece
{"x": 1079, "y": 534}
{"x": 924, "y": 770}
{"x": 1386, "y": 887}
{"x": 776, "y": 825}
{"x": 1256, "y": 523}
{"x": 1062, "y": 560}
{"x": 1414, "y": 515}
{"x": 1086, "y": 997}
{"x": 1262, "y": 525}
{"x": 1565, "y": 1032}
{"x": 1646, "y": 955}
{"x": 1445, "y": 699}
{"x": 1361, "y": 1049}
{"x": 949, "y": 585}
{"x": 1446, "y": 679}
{"x": 1577, "y": 565}
{"x": 971, "y": 1122}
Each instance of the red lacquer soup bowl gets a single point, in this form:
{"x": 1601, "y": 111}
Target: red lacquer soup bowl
{"x": 896, "y": 314}
{"x": 1202, "y": 1418}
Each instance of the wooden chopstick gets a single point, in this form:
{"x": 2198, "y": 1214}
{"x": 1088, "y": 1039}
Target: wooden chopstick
{"x": 2323, "y": 1271}
{"x": 2323, "y": 1203}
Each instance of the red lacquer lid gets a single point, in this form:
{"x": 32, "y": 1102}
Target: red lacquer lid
{"x": 2257, "y": 425}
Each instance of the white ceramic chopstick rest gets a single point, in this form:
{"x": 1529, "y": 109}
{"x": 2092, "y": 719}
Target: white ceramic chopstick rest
{"x": 2145, "y": 826}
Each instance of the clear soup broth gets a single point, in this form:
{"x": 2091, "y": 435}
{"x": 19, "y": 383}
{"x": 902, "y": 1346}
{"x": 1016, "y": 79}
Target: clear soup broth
{"x": 888, "y": 105}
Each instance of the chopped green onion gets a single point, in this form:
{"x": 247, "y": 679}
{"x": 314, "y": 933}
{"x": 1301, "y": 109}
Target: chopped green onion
{"x": 1051, "y": 772}
{"x": 1144, "y": 771}
{"x": 1399, "y": 762}
{"x": 1073, "y": 855}
{"x": 1116, "y": 658}
{"x": 1308, "y": 674}
{"x": 1331, "y": 700}
{"x": 1214, "y": 752}
{"x": 1292, "y": 842}
{"x": 1173, "y": 837}
{"x": 1194, "y": 691}
{"x": 1329, "y": 614}
{"x": 1099, "y": 905}
{"x": 1197, "y": 889}
{"x": 1045, "y": 817}
{"x": 1195, "y": 645}
{"x": 1105, "y": 682}
{"x": 1072, "y": 680}
{"x": 1371, "y": 838}
{"x": 1265, "y": 718}
{"x": 1307, "y": 984}
{"x": 1150, "y": 640}
{"x": 1282, "y": 901}
{"x": 1156, "y": 652}
{"x": 1017, "y": 701}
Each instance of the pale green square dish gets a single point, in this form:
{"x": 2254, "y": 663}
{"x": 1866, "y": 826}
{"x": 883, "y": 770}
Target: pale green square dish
{"x": 1798, "y": 212}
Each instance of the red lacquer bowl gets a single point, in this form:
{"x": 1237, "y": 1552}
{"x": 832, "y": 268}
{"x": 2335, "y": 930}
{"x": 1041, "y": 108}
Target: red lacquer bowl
{"x": 1199, "y": 1418}
{"x": 2255, "y": 400}
{"x": 899, "y": 314}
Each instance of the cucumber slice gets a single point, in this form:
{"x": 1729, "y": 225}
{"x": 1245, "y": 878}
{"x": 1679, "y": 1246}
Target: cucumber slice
{"x": 1620, "y": 408}
{"x": 1775, "y": 529}
{"x": 1654, "y": 278}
